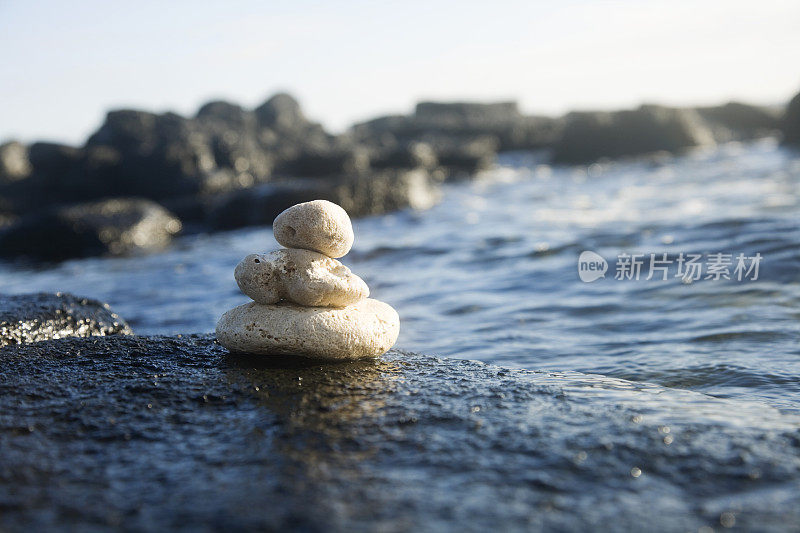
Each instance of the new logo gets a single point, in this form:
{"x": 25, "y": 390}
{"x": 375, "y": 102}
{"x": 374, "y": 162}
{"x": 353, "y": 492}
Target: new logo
{"x": 591, "y": 267}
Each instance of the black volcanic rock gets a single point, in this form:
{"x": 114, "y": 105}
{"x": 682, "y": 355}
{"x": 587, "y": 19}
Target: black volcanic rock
{"x": 63, "y": 174}
{"x": 379, "y": 192}
{"x": 464, "y": 157}
{"x": 28, "y": 318}
{"x": 281, "y": 113}
{"x": 466, "y": 119}
{"x": 286, "y": 132}
{"x": 208, "y": 166}
{"x": 450, "y": 124}
{"x": 162, "y": 156}
{"x": 18, "y": 191}
{"x": 735, "y": 121}
{"x": 97, "y": 174}
{"x": 54, "y": 159}
{"x": 208, "y": 169}
{"x": 532, "y": 133}
{"x": 46, "y": 162}
{"x": 388, "y": 190}
{"x": 116, "y": 226}
{"x": 452, "y": 156}
{"x": 229, "y": 113}
{"x": 258, "y": 206}
{"x": 175, "y": 434}
{"x": 465, "y": 114}
{"x": 791, "y": 122}
{"x": 352, "y": 160}
{"x": 232, "y": 134}
{"x": 409, "y": 155}
{"x": 589, "y": 136}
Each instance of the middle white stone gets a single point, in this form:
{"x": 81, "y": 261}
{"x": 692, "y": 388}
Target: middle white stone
{"x": 300, "y": 276}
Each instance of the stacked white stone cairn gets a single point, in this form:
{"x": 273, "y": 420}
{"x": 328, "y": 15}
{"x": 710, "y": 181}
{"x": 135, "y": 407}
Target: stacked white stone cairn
{"x": 305, "y": 302}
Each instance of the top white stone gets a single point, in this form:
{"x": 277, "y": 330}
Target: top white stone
{"x": 320, "y": 226}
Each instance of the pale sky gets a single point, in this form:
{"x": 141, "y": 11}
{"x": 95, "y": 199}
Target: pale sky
{"x": 65, "y": 63}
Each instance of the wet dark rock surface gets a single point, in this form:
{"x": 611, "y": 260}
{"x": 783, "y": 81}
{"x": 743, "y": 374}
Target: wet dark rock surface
{"x": 114, "y": 226}
{"x": 26, "y": 318}
{"x": 155, "y": 433}
{"x": 791, "y": 123}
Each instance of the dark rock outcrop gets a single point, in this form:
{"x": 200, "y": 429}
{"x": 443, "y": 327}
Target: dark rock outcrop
{"x": 464, "y": 137}
{"x": 161, "y": 156}
{"x": 735, "y": 121}
{"x": 349, "y": 160}
{"x": 388, "y": 190}
{"x": 258, "y": 206}
{"x": 212, "y": 169}
{"x": 286, "y": 132}
{"x": 501, "y": 121}
{"x": 232, "y": 134}
{"x": 456, "y": 122}
{"x": 282, "y": 113}
{"x": 466, "y": 115}
{"x": 462, "y": 158}
{"x": 116, "y": 226}
{"x": 414, "y": 154}
{"x": 64, "y": 174}
{"x": 51, "y": 167}
{"x": 589, "y": 136}
{"x": 28, "y": 318}
{"x": 379, "y": 192}
{"x": 791, "y": 123}
{"x": 52, "y": 159}
{"x": 170, "y": 158}
{"x": 174, "y": 433}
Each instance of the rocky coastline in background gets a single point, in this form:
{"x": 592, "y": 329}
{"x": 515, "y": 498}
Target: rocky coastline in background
{"x": 142, "y": 177}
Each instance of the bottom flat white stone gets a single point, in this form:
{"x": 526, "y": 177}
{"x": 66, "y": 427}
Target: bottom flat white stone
{"x": 360, "y": 331}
